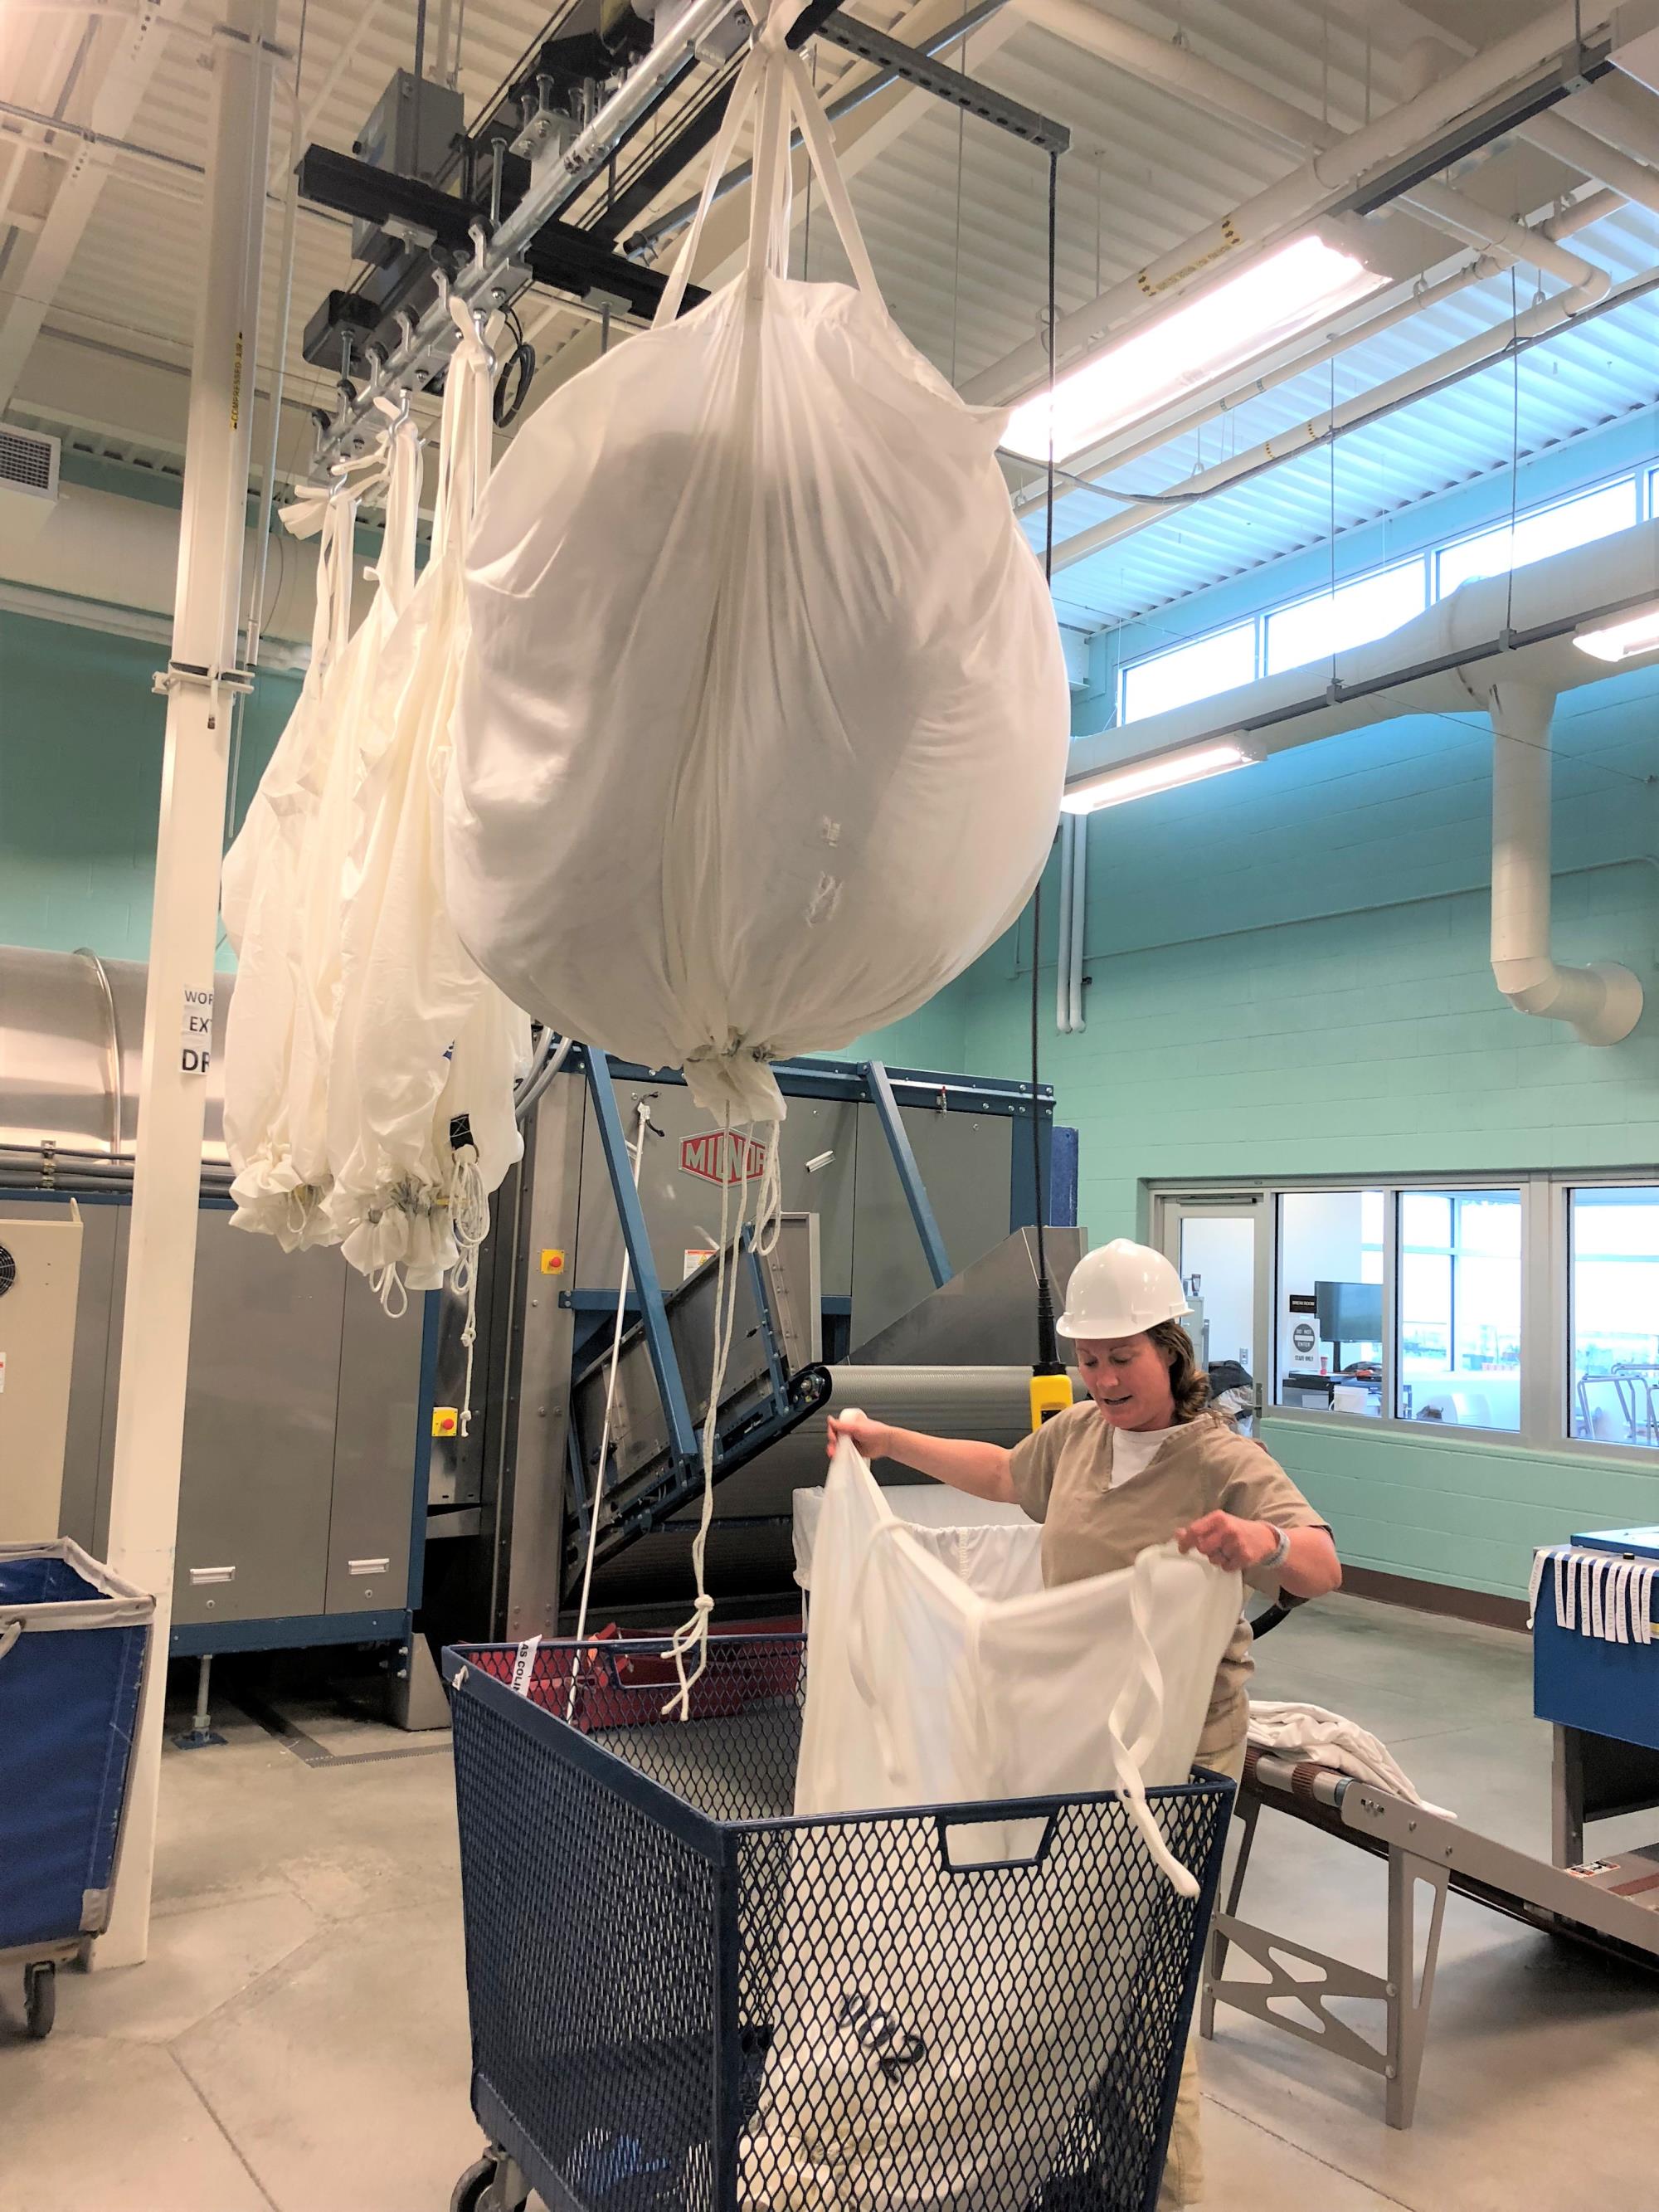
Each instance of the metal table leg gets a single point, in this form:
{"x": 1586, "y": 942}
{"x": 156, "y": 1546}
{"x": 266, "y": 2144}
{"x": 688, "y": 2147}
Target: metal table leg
{"x": 1409, "y": 1992}
{"x": 1247, "y": 1811}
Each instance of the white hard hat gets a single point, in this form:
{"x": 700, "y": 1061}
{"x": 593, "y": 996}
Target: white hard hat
{"x": 1120, "y": 1289}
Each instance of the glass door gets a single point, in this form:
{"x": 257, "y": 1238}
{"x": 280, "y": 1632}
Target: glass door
{"x": 1219, "y": 1246}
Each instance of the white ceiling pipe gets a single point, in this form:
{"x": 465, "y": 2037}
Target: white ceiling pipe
{"x": 1079, "y": 823}
{"x": 1603, "y": 1002}
{"x": 1062, "y": 944}
{"x": 1319, "y": 185}
{"x": 1552, "y": 315}
{"x": 1631, "y": 124}
{"x": 1160, "y": 61}
{"x": 1236, "y": 100}
{"x": 1452, "y": 211}
{"x": 1568, "y": 137}
{"x": 1583, "y": 151}
{"x": 1520, "y": 624}
{"x": 96, "y": 546}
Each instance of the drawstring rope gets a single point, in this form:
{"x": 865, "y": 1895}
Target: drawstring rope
{"x": 692, "y": 1636}
{"x": 388, "y": 1284}
{"x": 642, "y": 1112}
{"x": 468, "y": 1215}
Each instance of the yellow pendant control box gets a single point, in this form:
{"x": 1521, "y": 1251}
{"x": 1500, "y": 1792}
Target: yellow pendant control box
{"x": 1050, "y": 1395}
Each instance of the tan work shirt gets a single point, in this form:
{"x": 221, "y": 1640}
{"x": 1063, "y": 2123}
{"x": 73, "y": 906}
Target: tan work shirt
{"x": 1062, "y": 1477}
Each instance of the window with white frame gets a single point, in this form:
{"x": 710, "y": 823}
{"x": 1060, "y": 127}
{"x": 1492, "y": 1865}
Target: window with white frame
{"x": 1348, "y": 615}
{"x": 1613, "y": 1239}
{"x": 1526, "y": 1309}
{"x": 1331, "y": 1328}
{"x": 1217, "y": 663}
{"x": 1535, "y": 536}
{"x": 1459, "y": 1277}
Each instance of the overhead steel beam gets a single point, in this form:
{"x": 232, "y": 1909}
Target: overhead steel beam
{"x": 911, "y": 66}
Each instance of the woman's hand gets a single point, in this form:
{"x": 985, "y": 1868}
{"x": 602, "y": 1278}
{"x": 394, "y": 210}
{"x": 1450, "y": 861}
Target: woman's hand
{"x": 1227, "y": 1541}
{"x": 873, "y": 1438}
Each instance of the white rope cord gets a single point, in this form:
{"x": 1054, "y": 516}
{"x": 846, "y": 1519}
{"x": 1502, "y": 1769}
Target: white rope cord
{"x": 636, "y": 1153}
{"x": 469, "y": 1214}
{"x": 692, "y": 1636}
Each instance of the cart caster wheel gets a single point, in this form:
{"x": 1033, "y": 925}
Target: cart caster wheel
{"x": 39, "y": 1999}
{"x": 472, "y": 2191}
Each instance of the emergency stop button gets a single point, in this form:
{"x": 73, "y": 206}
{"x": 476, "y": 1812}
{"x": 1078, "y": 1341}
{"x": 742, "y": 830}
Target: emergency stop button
{"x": 552, "y": 1262}
{"x": 445, "y": 1420}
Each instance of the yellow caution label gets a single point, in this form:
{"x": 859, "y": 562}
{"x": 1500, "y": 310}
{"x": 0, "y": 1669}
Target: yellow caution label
{"x": 445, "y": 1420}
{"x": 552, "y": 1262}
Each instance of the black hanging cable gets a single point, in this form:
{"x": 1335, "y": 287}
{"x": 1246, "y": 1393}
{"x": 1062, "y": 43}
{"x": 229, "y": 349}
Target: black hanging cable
{"x": 1045, "y": 1401}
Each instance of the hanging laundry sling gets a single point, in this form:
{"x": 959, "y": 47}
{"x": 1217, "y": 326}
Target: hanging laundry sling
{"x": 425, "y": 1050}
{"x": 763, "y": 717}
{"x": 281, "y": 895}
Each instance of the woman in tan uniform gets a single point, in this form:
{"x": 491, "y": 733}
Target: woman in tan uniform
{"x": 1142, "y": 1460}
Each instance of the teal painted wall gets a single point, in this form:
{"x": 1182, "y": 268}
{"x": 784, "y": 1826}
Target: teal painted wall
{"x": 1291, "y": 976}
{"x": 81, "y": 738}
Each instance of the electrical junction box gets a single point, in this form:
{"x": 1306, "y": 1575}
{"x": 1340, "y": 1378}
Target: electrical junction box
{"x": 39, "y": 1291}
{"x": 411, "y": 133}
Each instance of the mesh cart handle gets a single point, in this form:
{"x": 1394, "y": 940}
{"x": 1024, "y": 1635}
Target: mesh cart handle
{"x": 946, "y": 1827}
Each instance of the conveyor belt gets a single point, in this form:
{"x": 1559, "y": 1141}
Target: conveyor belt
{"x": 1613, "y": 1904}
{"x": 751, "y": 1553}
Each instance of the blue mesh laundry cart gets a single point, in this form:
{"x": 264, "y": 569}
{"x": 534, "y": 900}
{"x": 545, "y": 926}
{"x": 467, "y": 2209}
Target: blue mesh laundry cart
{"x": 673, "y": 1982}
{"x": 73, "y": 1638}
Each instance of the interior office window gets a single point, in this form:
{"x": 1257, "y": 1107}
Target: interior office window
{"x": 1614, "y": 1291}
{"x": 1330, "y": 1351}
{"x": 1198, "y": 670}
{"x": 1352, "y": 614}
{"x": 1460, "y": 1307}
{"x": 1592, "y": 514}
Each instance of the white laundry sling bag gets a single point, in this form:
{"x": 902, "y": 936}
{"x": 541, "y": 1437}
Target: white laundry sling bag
{"x": 282, "y": 898}
{"x": 422, "y": 1037}
{"x": 922, "y": 1692}
{"x": 763, "y": 719}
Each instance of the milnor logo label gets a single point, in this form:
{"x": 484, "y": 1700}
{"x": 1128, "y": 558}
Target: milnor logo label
{"x": 718, "y": 1155}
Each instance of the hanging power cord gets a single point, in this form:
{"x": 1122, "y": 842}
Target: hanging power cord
{"x": 643, "y": 1127}
{"x": 517, "y": 374}
{"x": 1051, "y": 1386}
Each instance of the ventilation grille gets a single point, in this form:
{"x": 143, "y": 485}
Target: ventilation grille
{"x": 28, "y": 461}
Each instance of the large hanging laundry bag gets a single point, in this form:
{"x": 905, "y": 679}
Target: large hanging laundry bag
{"x": 281, "y": 895}
{"x": 922, "y": 1691}
{"x": 763, "y": 716}
{"x": 425, "y": 1050}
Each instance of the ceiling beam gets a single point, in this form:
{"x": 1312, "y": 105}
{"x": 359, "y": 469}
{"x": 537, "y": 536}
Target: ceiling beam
{"x": 133, "y": 48}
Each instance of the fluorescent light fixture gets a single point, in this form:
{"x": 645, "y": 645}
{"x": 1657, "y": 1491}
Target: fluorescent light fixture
{"x": 1111, "y": 787}
{"x": 1190, "y": 346}
{"x": 1622, "y": 640}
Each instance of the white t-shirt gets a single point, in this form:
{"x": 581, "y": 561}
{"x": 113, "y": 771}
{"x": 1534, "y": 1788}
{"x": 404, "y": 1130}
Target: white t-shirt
{"x": 1134, "y": 1450}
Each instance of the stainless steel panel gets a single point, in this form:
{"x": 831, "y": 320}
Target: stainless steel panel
{"x": 84, "y": 1444}
{"x": 530, "y": 1526}
{"x": 683, "y": 1209}
{"x": 965, "y": 1161}
{"x": 986, "y": 1315}
{"x": 71, "y": 1045}
{"x": 376, "y": 1452}
{"x": 258, "y": 1463}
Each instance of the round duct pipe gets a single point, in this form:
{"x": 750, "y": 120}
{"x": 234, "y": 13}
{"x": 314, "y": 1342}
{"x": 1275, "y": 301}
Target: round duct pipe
{"x": 1603, "y": 1002}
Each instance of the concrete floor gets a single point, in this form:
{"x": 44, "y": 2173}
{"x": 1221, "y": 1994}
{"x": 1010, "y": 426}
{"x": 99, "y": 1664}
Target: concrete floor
{"x": 298, "y": 2041}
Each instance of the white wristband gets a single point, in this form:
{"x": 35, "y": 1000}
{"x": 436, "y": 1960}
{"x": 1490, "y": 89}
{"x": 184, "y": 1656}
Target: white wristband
{"x": 1280, "y": 1552}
